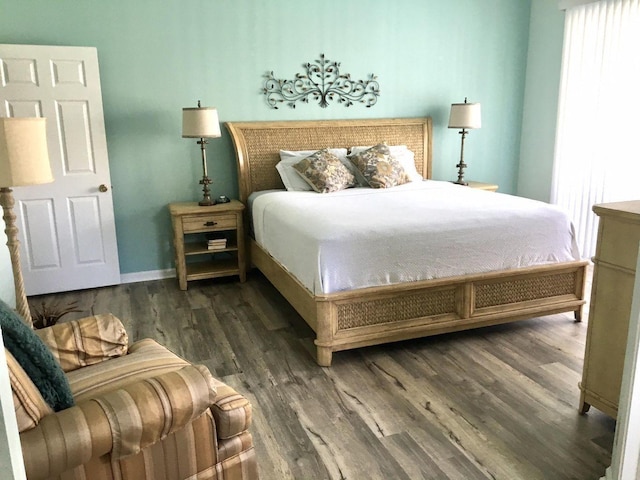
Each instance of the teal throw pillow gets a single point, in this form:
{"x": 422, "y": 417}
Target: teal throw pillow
{"x": 35, "y": 359}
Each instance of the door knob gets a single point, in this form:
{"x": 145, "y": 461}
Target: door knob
{"x": 103, "y": 188}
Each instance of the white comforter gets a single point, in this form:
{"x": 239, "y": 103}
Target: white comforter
{"x": 364, "y": 237}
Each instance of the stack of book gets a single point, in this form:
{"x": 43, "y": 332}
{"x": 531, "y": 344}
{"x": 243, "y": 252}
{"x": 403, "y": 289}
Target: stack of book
{"x": 217, "y": 243}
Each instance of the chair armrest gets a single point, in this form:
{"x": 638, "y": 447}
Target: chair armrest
{"x": 121, "y": 422}
{"x": 87, "y": 341}
{"x": 65, "y": 440}
{"x": 231, "y": 411}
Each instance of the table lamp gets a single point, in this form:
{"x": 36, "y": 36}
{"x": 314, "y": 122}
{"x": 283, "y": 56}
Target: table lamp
{"x": 201, "y": 122}
{"x": 24, "y": 160}
{"x": 465, "y": 116}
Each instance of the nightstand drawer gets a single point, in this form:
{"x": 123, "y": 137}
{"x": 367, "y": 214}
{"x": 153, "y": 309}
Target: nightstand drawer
{"x": 207, "y": 223}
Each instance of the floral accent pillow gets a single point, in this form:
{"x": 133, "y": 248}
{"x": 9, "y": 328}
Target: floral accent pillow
{"x": 325, "y": 172}
{"x": 379, "y": 168}
{"x": 291, "y": 178}
{"x": 403, "y": 155}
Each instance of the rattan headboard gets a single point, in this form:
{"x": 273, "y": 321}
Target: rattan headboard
{"x": 258, "y": 144}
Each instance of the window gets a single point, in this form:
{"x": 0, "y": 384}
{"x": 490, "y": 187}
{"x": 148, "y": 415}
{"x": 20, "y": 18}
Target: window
{"x": 597, "y": 152}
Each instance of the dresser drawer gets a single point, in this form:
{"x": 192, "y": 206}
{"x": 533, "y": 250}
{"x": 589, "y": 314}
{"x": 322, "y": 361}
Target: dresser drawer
{"x": 207, "y": 223}
{"x": 619, "y": 242}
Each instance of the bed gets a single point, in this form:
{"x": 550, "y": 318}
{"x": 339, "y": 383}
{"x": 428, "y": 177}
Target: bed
{"x": 355, "y": 316}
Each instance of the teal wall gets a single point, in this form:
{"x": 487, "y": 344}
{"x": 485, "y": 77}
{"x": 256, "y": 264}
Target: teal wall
{"x": 546, "y": 32}
{"x": 159, "y": 56}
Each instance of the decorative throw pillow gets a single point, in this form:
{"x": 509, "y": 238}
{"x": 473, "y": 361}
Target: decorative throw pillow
{"x": 291, "y": 179}
{"x": 35, "y": 359}
{"x": 403, "y": 155}
{"x": 325, "y": 172}
{"x": 379, "y": 168}
{"x": 86, "y": 341}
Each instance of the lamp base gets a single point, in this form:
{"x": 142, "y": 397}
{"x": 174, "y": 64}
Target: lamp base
{"x": 461, "y": 181}
{"x": 7, "y": 202}
{"x": 461, "y": 165}
{"x": 206, "y": 197}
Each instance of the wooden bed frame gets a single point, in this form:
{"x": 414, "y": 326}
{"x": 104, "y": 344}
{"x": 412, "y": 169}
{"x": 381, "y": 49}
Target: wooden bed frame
{"x": 375, "y": 315}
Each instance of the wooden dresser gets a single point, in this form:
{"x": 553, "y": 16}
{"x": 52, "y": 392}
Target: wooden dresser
{"x": 610, "y": 307}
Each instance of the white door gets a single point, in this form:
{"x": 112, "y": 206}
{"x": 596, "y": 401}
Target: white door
{"x": 67, "y": 229}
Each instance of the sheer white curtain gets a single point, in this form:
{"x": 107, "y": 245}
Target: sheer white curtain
{"x": 597, "y": 155}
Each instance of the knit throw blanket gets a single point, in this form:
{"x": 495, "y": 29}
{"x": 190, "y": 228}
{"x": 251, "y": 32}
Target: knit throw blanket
{"x": 35, "y": 359}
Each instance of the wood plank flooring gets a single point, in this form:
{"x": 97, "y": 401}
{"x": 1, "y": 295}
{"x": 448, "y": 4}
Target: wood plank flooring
{"x": 494, "y": 403}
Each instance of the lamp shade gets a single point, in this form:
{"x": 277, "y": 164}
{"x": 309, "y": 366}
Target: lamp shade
{"x": 200, "y": 122}
{"x": 24, "y": 157}
{"x": 465, "y": 115}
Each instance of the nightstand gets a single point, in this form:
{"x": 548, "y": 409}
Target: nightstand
{"x": 491, "y": 187}
{"x": 208, "y": 241}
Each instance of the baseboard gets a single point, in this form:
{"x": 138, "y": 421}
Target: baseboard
{"x": 147, "y": 276}
{"x": 608, "y": 475}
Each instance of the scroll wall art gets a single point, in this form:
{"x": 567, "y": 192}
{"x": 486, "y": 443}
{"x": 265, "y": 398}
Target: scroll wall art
{"x": 321, "y": 82}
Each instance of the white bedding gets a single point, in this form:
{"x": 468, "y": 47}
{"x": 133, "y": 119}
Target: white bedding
{"x": 364, "y": 237}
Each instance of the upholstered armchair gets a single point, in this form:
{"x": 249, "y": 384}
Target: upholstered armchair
{"x": 135, "y": 412}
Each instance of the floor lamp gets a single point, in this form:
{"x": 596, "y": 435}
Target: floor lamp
{"x": 24, "y": 160}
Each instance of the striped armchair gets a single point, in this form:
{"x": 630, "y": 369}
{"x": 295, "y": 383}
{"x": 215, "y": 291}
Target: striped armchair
{"x": 140, "y": 412}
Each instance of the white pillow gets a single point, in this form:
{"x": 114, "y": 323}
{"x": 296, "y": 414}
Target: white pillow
{"x": 401, "y": 153}
{"x": 291, "y": 178}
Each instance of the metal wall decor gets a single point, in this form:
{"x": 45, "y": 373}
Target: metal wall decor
{"x": 322, "y": 82}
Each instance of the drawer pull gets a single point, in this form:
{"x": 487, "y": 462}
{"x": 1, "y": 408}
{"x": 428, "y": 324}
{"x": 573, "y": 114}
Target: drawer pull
{"x": 210, "y": 224}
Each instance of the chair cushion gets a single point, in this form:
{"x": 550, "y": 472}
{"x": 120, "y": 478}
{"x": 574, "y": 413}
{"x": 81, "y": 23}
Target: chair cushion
{"x": 145, "y": 359}
{"x": 86, "y": 341}
{"x": 35, "y": 359}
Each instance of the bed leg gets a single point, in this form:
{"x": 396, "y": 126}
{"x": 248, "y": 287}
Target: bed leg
{"x": 324, "y": 356}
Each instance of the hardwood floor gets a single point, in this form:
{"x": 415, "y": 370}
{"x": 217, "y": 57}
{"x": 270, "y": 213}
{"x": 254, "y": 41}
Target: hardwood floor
{"x": 494, "y": 403}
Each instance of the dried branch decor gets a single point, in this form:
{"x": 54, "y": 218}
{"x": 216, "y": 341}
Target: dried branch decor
{"x": 48, "y": 315}
{"x": 322, "y": 82}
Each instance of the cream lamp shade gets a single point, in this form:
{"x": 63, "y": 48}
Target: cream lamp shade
{"x": 200, "y": 122}
{"x": 24, "y": 158}
{"x": 465, "y": 115}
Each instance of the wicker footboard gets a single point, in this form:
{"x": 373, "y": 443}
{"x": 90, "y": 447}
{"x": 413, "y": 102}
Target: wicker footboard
{"x": 377, "y": 315}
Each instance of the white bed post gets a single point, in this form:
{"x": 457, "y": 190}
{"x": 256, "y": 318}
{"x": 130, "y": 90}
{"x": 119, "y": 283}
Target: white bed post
{"x": 625, "y": 459}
